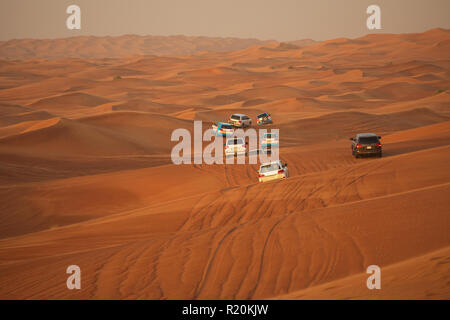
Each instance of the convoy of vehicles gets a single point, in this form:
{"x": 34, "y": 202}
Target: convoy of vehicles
{"x": 362, "y": 144}
{"x": 366, "y": 144}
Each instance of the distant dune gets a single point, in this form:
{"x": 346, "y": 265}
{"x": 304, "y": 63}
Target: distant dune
{"x": 86, "y": 175}
{"x": 119, "y": 46}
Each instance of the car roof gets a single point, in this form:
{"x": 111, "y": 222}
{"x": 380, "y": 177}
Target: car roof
{"x": 224, "y": 123}
{"x": 359, "y": 135}
{"x": 239, "y": 114}
{"x": 269, "y": 163}
{"x": 262, "y": 114}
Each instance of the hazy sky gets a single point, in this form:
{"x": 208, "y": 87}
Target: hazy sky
{"x": 262, "y": 19}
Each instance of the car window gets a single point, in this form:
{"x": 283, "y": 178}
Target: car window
{"x": 235, "y": 141}
{"x": 245, "y": 117}
{"x": 269, "y": 167}
{"x": 227, "y": 126}
{"x": 234, "y": 117}
{"x": 368, "y": 140}
{"x": 262, "y": 115}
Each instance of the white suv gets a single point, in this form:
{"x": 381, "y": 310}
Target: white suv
{"x": 240, "y": 120}
{"x": 273, "y": 170}
{"x": 235, "y": 146}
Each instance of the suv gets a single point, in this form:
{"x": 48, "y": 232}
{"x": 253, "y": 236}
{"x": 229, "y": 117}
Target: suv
{"x": 235, "y": 146}
{"x": 272, "y": 171}
{"x": 270, "y": 140}
{"x": 240, "y": 120}
{"x": 263, "y": 118}
{"x": 366, "y": 143}
{"x": 223, "y": 129}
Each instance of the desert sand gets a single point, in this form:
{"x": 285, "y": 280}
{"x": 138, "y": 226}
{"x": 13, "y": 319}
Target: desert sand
{"x": 86, "y": 177}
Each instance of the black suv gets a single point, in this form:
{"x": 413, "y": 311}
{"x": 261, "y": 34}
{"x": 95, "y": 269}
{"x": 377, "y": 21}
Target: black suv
{"x": 366, "y": 143}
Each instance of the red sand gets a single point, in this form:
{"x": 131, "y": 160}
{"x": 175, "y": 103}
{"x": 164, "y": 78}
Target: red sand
{"x": 86, "y": 176}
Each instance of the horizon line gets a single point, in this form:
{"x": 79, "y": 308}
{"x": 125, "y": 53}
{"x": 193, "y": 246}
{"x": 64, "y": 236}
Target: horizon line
{"x": 214, "y": 37}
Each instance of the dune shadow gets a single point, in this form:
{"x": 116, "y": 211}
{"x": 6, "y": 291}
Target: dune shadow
{"x": 399, "y": 148}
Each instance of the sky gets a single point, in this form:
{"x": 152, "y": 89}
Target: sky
{"x": 280, "y": 20}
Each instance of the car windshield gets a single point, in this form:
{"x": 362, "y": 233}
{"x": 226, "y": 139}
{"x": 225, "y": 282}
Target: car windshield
{"x": 262, "y": 115}
{"x": 235, "y": 141}
{"x": 235, "y": 117}
{"x": 227, "y": 126}
{"x": 368, "y": 140}
{"x": 269, "y": 167}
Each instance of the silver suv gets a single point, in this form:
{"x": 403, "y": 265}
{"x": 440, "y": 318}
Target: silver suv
{"x": 240, "y": 120}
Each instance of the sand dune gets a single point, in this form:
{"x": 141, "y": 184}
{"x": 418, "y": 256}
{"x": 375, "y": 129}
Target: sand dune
{"x": 348, "y": 234}
{"x": 345, "y": 123}
{"x": 86, "y": 176}
{"x": 116, "y": 133}
{"x": 113, "y": 47}
{"x": 50, "y": 137}
{"x": 69, "y": 100}
{"x": 418, "y": 279}
{"x": 16, "y": 114}
{"x": 147, "y": 106}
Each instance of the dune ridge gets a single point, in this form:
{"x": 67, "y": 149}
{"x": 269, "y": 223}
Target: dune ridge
{"x": 118, "y": 46}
